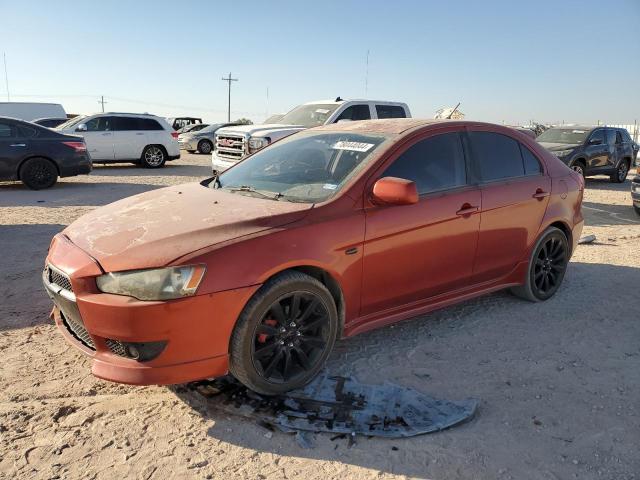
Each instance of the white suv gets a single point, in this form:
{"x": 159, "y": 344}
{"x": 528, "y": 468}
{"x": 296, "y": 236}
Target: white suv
{"x": 126, "y": 137}
{"x": 235, "y": 143}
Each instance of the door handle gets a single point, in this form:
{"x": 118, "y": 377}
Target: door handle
{"x": 140, "y": 133}
{"x": 18, "y": 145}
{"x": 467, "y": 209}
{"x": 540, "y": 194}
{"x": 106, "y": 134}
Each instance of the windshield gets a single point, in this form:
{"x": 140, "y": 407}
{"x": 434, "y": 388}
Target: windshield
{"x": 563, "y": 135}
{"x": 70, "y": 123}
{"x": 303, "y": 168}
{"x": 309, "y": 115}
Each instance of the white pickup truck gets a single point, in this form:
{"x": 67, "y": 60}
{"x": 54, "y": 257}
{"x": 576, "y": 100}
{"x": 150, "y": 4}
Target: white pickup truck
{"x": 232, "y": 144}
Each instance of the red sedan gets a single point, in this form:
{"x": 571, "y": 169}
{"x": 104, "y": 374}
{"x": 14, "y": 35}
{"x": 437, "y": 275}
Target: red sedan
{"x": 322, "y": 235}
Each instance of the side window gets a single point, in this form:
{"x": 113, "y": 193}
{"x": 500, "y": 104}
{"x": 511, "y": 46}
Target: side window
{"x": 126, "y": 123}
{"x": 611, "y": 136}
{"x": 390, "y": 111}
{"x": 433, "y": 164}
{"x": 531, "y": 164}
{"x": 619, "y": 137}
{"x": 26, "y": 132}
{"x": 355, "y": 112}
{"x": 626, "y": 136}
{"x": 149, "y": 124}
{"x": 498, "y": 156}
{"x": 7, "y": 131}
{"x": 100, "y": 124}
{"x": 597, "y": 135}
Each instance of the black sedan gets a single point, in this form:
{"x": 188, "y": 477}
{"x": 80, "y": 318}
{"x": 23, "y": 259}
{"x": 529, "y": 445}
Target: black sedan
{"x": 38, "y": 156}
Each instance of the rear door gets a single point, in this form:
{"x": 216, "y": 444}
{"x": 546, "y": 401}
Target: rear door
{"x": 414, "y": 252}
{"x": 129, "y": 139}
{"x": 515, "y": 192}
{"x": 99, "y": 138}
{"x": 11, "y": 150}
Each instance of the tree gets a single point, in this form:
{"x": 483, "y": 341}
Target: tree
{"x": 244, "y": 121}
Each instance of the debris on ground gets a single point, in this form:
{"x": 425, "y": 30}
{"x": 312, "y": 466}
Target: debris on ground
{"x": 587, "y": 239}
{"x": 339, "y": 405}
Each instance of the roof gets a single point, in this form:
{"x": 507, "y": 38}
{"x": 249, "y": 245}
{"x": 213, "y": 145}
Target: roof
{"x": 345, "y": 100}
{"x": 390, "y": 125}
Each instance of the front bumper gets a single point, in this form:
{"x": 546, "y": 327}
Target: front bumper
{"x": 219, "y": 164}
{"x": 194, "y": 331}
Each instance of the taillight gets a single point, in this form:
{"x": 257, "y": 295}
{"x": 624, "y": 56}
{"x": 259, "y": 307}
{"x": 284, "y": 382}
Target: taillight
{"x": 77, "y": 146}
{"x": 175, "y": 135}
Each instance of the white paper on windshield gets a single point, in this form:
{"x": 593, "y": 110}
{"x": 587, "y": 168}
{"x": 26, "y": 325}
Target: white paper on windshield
{"x": 329, "y": 186}
{"x": 578, "y": 131}
{"x": 352, "y": 146}
{"x": 322, "y": 110}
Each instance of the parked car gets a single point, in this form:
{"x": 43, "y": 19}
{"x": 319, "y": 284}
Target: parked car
{"x": 30, "y": 111}
{"x": 635, "y": 191}
{"x": 235, "y": 143}
{"x": 592, "y": 150}
{"x": 180, "y": 122}
{"x": 37, "y": 156}
{"x": 194, "y": 127}
{"x": 50, "y": 122}
{"x": 201, "y": 140}
{"x": 142, "y": 139}
{"x": 325, "y": 234}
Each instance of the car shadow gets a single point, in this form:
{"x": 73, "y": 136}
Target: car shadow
{"x": 70, "y": 194}
{"x": 602, "y": 182}
{"x": 174, "y": 169}
{"x": 487, "y": 348}
{"x": 24, "y": 300}
{"x": 604, "y": 214}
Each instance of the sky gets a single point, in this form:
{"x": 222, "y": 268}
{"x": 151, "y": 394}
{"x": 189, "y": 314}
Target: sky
{"x": 505, "y": 61}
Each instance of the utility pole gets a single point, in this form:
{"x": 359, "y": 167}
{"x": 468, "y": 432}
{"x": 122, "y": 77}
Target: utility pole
{"x": 229, "y": 80}
{"x": 102, "y": 102}
{"x": 6, "y": 76}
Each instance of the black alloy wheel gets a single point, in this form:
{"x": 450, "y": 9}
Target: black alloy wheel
{"x": 620, "y": 174}
{"x": 205, "y": 146}
{"x": 291, "y": 337}
{"x": 38, "y": 173}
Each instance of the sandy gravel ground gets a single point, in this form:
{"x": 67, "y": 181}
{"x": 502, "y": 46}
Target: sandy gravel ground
{"x": 559, "y": 382}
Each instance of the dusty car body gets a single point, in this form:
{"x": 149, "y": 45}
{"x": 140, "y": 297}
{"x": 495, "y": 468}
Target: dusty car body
{"x": 273, "y": 277}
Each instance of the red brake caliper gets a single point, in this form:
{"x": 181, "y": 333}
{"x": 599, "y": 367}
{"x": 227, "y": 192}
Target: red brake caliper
{"x": 263, "y": 336}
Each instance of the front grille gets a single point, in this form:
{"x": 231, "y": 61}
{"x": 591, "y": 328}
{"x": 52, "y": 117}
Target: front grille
{"x": 116, "y": 347}
{"x": 230, "y": 146}
{"x": 78, "y": 331}
{"x": 57, "y": 278}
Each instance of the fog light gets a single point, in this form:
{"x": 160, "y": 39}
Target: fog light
{"x": 140, "y": 351}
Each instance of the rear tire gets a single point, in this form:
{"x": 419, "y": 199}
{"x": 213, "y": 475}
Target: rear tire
{"x": 205, "y": 146}
{"x": 38, "y": 173}
{"x": 579, "y": 167}
{"x": 620, "y": 175}
{"x": 547, "y": 266}
{"x": 284, "y": 334}
{"x": 153, "y": 156}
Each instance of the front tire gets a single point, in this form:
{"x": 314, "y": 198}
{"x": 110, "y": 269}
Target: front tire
{"x": 547, "y": 266}
{"x": 38, "y": 173}
{"x": 620, "y": 175}
{"x": 579, "y": 167}
{"x": 205, "y": 146}
{"x": 284, "y": 334}
{"x": 153, "y": 156}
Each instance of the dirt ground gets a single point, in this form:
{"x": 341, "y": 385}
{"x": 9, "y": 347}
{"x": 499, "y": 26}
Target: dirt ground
{"x": 558, "y": 382}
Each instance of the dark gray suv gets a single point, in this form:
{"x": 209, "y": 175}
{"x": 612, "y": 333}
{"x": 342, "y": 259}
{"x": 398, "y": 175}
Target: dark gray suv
{"x": 592, "y": 150}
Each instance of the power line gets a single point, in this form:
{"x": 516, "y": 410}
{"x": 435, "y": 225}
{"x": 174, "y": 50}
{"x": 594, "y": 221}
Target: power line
{"x": 229, "y": 80}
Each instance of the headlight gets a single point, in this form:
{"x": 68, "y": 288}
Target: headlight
{"x": 155, "y": 283}
{"x": 257, "y": 143}
{"x": 635, "y": 187}
{"x": 562, "y": 153}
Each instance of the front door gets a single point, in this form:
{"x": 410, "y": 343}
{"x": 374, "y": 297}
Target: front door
{"x": 597, "y": 150}
{"x": 515, "y": 192}
{"x": 99, "y": 138}
{"x": 414, "y": 252}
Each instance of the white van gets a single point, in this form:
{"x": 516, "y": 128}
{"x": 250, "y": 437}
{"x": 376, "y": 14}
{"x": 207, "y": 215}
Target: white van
{"x": 29, "y": 111}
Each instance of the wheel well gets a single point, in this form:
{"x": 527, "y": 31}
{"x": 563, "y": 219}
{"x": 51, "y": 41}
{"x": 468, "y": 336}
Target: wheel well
{"x": 566, "y": 230}
{"x": 580, "y": 160}
{"x": 37, "y": 156}
{"x": 332, "y": 285}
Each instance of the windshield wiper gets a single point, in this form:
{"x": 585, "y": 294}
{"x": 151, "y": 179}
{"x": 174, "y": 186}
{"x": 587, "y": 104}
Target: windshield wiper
{"x": 250, "y": 189}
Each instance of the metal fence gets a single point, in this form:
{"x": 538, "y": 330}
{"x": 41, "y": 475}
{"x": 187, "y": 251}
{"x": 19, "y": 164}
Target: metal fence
{"x": 633, "y": 129}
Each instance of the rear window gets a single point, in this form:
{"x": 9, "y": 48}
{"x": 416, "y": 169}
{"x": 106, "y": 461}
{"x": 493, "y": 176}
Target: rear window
{"x": 497, "y": 155}
{"x": 390, "y": 111}
{"x": 26, "y": 131}
{"x": 531, "y": 164}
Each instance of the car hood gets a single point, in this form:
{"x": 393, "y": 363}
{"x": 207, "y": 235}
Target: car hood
{"x": 154, "y": 228}
{"x": 554, "y": 147}
{"x": 254, "y": 129}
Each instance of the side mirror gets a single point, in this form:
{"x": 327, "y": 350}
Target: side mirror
{"x": 82, "y": 127}
{"x": 395, "y": 191}
{"x": 595, "y": 141}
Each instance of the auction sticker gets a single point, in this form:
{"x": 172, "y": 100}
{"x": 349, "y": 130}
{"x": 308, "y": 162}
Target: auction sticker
{"x": 352, "y": 146}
